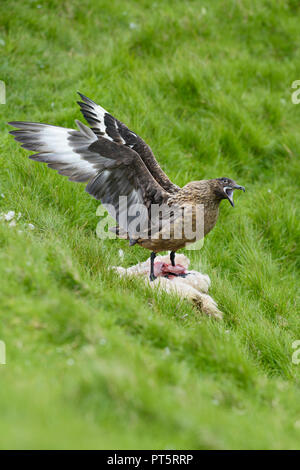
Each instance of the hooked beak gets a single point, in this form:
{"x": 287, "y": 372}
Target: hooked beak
{"x": 228, "y": 190}
{"x": 237, "y": 186}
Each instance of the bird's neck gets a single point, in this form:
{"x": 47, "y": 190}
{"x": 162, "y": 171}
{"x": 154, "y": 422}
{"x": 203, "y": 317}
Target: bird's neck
{"x": 200, "y": 192}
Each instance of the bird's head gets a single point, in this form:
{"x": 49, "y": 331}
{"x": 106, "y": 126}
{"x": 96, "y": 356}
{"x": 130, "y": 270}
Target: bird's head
{"x": 224, "y": 188}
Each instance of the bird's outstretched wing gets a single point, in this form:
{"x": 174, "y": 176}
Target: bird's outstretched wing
{"x": 111, "y": 169}
{"x": 105, "y": 125}
{"x": 59, "y": 148}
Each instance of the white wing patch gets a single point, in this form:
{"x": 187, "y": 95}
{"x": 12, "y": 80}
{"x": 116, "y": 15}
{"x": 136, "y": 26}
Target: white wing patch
{"x": 95, "y": 115}
{"x": 100, "y": 112}
{"x": 56, "y": 147}
{"x": 61, "y": 148}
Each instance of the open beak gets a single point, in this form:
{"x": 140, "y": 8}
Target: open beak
{"x": 229, "y": 192}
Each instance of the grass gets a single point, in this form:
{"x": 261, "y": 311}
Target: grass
{"x": 98, "y": 362}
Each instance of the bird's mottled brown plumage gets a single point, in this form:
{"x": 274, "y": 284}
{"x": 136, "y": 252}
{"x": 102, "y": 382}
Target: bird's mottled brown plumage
{"x": 116, "y": 162}
{"x": 204, "y": 193}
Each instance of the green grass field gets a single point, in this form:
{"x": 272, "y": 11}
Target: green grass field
{"x": 98, "y": 362}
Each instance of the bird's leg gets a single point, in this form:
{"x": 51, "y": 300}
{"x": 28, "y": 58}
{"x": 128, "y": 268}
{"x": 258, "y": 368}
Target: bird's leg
{"x": 172, "y": 258}
{"x": 152, "y": 277}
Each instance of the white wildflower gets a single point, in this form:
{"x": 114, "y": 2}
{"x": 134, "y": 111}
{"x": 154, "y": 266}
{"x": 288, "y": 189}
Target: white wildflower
{"x": 9, "y": 216}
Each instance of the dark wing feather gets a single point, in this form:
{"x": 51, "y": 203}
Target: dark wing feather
{"x": 125, "y": 174}
{"x": 105, "y": 125}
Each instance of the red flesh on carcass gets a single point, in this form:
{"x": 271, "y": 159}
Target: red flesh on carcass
{"x": 167, "y": 270}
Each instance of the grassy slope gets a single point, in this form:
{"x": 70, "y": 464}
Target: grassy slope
{"x": 93, "y": 361}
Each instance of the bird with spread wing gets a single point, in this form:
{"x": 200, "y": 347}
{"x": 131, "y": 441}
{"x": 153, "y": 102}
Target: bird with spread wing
{"x": 116, "y": 163}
